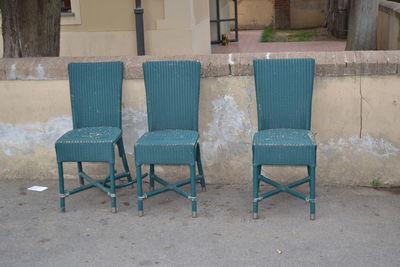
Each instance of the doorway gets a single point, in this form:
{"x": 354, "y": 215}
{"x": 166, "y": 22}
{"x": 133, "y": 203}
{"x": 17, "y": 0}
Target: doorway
{"x": 223, "y": 20}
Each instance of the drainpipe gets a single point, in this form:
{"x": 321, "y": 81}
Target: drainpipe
{"x": 139, "y": 28}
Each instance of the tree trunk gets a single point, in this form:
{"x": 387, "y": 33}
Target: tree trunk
{"x": 362, "y": 25}
{"x": 31, "y": 28}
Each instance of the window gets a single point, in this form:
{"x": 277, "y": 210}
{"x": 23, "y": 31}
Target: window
{"x": 66, "y": 7}
{"x": 70, "y": 12}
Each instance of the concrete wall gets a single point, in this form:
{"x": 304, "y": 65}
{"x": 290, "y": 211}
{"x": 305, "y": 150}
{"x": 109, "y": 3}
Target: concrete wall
{"x": 389, "y": 26}
{"x": 107, "y": 28}
{"x": 307, "y": 13}
{"x": 355, "y": 115}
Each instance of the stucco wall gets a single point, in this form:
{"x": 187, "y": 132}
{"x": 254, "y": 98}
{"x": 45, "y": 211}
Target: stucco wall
{"x": 389, "y": 26}
{"x": 107, "y": 28}
{"x": 355, "y": 115}
{"x": 307, "y": 13}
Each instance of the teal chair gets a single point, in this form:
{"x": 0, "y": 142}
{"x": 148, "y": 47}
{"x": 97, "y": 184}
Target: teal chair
{"x": 284, "y": 90}
{"x": 172, "y": 93}
{"x": 96, "y": 93}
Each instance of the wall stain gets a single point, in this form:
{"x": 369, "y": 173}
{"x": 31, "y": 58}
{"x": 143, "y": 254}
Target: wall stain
{"x": 134, "y": 125}
{"x": 227, "y": 131}
{"x": 24, "y": 138}
{"x": 377, "y": 147}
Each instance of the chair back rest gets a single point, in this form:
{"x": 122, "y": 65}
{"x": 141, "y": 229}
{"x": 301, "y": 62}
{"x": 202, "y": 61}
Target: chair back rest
{"x": 284, "y": 92}
{"x": 172, "y": 94}
{"x": 96, "y": 93}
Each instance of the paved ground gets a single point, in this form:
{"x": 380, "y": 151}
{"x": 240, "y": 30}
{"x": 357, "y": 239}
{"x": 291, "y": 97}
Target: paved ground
{"x": 354, "y": 227}
{"x": 249, "y": 42}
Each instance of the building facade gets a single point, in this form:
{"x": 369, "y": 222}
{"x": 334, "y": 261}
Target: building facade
{"x": 174, "y": 27}
{"x": 104, "y": 28}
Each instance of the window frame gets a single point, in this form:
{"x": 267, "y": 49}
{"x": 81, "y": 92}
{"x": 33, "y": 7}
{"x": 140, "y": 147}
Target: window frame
{"x": 74, "y": 17}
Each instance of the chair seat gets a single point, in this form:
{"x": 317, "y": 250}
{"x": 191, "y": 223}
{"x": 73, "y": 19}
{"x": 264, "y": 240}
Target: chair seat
{"x": 92, "y": 144}
{"x": 284, "y": 147}
{"x": 167, "y": 147}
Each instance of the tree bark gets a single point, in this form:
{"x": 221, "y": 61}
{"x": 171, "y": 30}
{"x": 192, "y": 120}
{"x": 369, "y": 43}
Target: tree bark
{"x": 362, "y": 25}
{"x": 31, "y": 28}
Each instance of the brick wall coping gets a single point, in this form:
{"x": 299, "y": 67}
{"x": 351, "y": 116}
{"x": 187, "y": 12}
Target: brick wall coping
{"x": 346, "y": 63}
{"x": 391, "y": 8}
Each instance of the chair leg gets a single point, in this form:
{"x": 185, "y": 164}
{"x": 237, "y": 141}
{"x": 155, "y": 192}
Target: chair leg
{"x": 193, "y": 190}
{"x": 151, "y": 185}
{"x": 112, "y": 189}
{"x": 200, "y": 168}
{"x": 256, "y": 185}
{"x": 61, "y": 186}
{"x": 139, "y": 190}
{"x": 80, "y": 169}
{"x": 311, "y": 171}
{"x": 122, "y": 154}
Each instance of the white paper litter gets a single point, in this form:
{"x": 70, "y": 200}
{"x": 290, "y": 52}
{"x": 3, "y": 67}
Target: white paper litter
{"x": 38, "y": 188}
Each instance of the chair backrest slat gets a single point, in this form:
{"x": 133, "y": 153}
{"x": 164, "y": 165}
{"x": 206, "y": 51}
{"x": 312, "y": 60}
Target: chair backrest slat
{"x": 172, "y": 93}
{"x": 284, "y": 92}
{"x": 96, "y": 93}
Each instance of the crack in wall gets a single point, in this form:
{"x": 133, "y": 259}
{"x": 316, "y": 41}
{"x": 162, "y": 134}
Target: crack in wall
{"x": 361, "y": 109}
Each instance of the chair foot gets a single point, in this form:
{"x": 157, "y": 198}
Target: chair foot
{"x": 140, "y": 213}
{"x": 255, "y": 215}
{"x": 204, "y": 189}
{"x": 62, "y": 210}
{"x": 114, "y": 210}
{"x": 312, "y": 217}
{"x": 194, "y": 214}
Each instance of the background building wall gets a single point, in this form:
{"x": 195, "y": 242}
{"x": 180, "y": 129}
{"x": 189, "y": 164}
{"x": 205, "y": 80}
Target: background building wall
{"x": 254, "y": 14}
{"x": 307, "y": 13}
{"x": 107, "y": 28}
{"x": 355, "y": 115}
{"x": 280, "y": 14}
